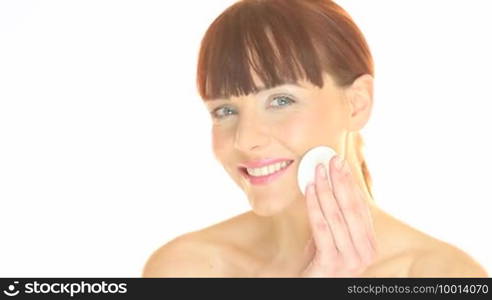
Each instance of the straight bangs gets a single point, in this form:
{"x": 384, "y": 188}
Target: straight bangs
{"x": 254, "y": 38}
{"x": 256, "y": 44}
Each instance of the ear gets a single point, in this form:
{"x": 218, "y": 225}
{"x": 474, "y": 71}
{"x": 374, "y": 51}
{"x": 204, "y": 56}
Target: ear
{"x": 360, "y": 96}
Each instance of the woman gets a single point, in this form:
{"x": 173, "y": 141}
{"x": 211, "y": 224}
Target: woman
{"x": 280, "y": 77}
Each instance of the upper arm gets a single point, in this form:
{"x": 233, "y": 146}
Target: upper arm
{"x": 446, "y": 263}
{"x": 180, "y": 258}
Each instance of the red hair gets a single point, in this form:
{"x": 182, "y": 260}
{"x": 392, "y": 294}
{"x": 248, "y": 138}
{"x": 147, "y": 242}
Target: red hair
{"x": 281, "y": 41}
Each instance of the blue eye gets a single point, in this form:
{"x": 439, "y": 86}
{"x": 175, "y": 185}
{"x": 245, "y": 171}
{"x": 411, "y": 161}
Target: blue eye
{"x": 222, "y": 112}
{"x": 282, "y": 101}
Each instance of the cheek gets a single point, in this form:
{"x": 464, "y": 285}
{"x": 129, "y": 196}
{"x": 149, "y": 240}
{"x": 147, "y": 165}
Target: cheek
{"x": 324, "y": 127}
{"x": 221, "y": 143}
{"x": 307, "y": 130}
{"x": 294, "y": 132}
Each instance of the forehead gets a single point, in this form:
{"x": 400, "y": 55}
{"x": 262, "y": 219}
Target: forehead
{"x": 243, "y": 58}
{"x": 300, "y": 86}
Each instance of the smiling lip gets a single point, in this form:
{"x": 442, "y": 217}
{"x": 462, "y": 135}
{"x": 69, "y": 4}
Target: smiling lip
{"x": 259, "y": 180}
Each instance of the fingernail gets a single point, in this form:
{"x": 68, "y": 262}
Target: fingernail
{"x": 346, "y": 168}
{"x": 322, "y": 171}
{"x": 339, "y": 163}
{"x": 308, "y": 188}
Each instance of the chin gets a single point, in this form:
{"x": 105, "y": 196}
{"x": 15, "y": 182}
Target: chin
{"x": 270, "y": 206}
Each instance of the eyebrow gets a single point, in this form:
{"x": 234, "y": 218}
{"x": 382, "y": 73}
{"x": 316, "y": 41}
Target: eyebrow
{"x": 261, "y": 90}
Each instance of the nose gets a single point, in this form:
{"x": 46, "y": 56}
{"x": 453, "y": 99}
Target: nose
{"x": 251, "y": 134}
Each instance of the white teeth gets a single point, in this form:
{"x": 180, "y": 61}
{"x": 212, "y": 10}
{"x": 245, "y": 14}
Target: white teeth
{"x": 266, "y": 170}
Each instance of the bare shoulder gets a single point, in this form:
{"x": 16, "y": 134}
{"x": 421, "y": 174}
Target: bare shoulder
{"x": 209, "y": 252}
{"x": 445, "y": 260}
{"x": 185, "y": 256}
{"x": 423, "y": 255}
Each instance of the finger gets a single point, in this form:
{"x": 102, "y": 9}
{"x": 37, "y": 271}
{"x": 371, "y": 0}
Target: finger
{"x": 335, "y": 218}
{"x": 354, "y": 209}
{"x": 310, "y": 247}
{"x": 371, "y": 232}
{"x": 367, "y": 216}
{"x": 309, "y": 252}
{"x": 321, "y": 232}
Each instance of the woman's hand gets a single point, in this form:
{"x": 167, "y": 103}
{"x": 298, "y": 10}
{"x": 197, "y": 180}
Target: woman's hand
{"x": 343, "y": 242}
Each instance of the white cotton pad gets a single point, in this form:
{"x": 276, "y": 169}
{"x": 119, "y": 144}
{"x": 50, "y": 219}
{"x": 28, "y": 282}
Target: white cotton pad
{"x": 307, "y": 167}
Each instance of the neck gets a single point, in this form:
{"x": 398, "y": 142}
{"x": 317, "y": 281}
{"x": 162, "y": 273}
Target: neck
{"x": 291, "y": 230}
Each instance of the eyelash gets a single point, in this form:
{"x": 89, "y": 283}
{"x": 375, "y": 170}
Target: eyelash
{"x": 290, "y": 101}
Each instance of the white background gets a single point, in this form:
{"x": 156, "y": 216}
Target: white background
{"x": 105, "y": 151}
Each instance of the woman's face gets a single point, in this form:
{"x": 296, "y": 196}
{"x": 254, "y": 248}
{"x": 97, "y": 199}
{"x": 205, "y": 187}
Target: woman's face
{"x": 278, "y": 124}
